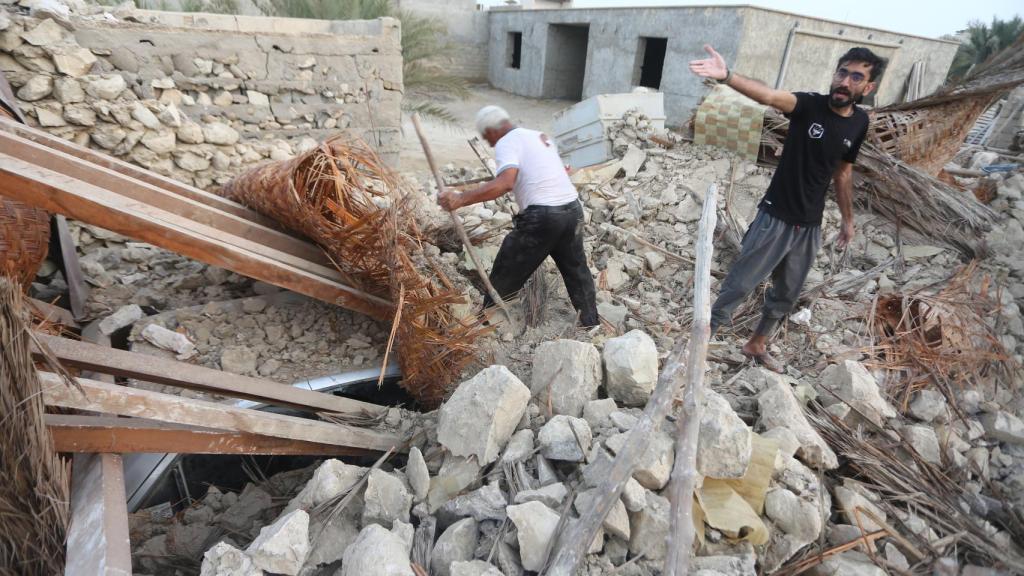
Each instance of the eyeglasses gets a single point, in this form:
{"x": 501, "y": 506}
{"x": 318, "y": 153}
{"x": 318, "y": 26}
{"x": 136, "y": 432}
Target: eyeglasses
{"x": 855, "y": 77}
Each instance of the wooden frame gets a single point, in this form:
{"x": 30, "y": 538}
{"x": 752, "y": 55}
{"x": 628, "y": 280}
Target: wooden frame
{"x": 102, "y": 359}
{"x": 100, "y": 434}
{"x": 126, "y": 401}
{"x": 56, "y": 192}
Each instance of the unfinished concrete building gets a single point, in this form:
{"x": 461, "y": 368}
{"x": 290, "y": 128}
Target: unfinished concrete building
{"x": 577, "y": 53}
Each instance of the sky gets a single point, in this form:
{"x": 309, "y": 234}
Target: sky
{"x": 924, "y": 18}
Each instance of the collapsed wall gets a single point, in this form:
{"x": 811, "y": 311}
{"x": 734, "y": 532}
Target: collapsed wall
{"x": 200, "y": 97}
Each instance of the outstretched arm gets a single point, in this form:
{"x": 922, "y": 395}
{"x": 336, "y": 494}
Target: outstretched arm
{"x": 451, "y": 199}
{"x": 842, "y": 178}
{"x": 716, "y": 69}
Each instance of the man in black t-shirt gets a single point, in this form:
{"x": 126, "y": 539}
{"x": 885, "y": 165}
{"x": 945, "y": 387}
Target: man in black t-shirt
{"x": 825, "y": 135}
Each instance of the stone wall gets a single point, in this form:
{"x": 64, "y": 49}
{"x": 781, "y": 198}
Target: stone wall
{"x": 467, "y": 30}
{"x": 200, "y": 97}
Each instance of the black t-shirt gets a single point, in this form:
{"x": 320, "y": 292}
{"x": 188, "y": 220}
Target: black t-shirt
{"x": 818, "y": 139}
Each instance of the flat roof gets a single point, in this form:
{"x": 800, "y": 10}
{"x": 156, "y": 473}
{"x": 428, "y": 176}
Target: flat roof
{"x": 511, "y": 9}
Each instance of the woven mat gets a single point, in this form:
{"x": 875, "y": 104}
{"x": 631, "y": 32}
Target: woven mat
{"x": 729, "y": 120}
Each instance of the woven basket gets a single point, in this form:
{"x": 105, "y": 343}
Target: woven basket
{"x": 24, "y": 237}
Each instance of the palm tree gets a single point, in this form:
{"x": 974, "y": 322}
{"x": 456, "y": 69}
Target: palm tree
{"x": 983, "y": 41}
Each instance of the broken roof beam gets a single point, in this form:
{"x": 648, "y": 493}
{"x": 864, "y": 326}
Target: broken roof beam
{"x": 84, "y": 201}
{"x": 86, "y": 356}
{"x": 98, "y": 543}
{"x": 126, "y": 401}
{"x": 88, "y": 434}
{"x": 133, "y": 171}
{"x": 158, "y": 196}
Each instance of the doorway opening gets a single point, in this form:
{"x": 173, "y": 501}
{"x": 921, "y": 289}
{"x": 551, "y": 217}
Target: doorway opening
{"x": 650, "y": 60}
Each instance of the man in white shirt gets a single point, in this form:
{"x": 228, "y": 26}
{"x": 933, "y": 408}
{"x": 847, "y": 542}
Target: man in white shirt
{"x": 550, "y": 219}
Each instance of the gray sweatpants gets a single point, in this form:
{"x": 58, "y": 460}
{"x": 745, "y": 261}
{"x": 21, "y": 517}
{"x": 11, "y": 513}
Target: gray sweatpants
{"x": 770, "y": 246}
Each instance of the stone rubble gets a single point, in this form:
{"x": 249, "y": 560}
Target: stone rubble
{"x": 500, "y": 453}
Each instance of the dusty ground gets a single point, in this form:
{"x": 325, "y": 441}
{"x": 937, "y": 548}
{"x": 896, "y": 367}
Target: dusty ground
{"x": 448, "y": 142}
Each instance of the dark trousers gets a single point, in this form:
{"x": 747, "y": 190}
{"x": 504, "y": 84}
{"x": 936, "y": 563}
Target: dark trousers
{"x": 539, "y": 232}
{"x": 770, "y": 247}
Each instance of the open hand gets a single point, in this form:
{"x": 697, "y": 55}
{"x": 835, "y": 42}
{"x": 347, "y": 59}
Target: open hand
{"x": 713, "y": 67}
{"x": 449, "y": 199}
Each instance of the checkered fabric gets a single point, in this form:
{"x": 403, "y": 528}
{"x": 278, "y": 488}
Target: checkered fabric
{"x": 729, "y": 120}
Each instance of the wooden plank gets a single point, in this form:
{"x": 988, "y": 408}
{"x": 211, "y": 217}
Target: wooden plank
{"x": 83, "y": 201}
{"x": 78, "y": 290}
{"x": 98, "y": 535}
{"x": 133, "y": 171}
{"x": 53, "y": 313}
{"x": 102, "y": 359}
{"x": 91, "y": 434}
{"x": 125, "y": 401}
{"x": 158, "y": 197}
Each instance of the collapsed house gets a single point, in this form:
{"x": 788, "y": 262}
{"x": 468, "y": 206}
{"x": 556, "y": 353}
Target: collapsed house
{"x": 892, "y": 445}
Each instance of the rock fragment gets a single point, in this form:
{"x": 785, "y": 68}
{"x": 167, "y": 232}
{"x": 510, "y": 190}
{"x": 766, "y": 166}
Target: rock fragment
{"x": 482, "y": 413}
{"x": 566, "y": 375}
{"x": 631, "y": 367}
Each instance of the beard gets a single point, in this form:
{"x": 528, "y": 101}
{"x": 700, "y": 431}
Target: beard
{"x": 840, "y": 97}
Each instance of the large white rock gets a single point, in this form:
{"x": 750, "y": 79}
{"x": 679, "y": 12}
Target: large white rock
{"x": 597, "y": 412}
{"x": 631, "y": 367}
{"x": 124, "y": 316}
{"x": 551, "y": 495}
{"x": 723, "y": 446}
{"x": 328, "y": 541}
{"x": 655, "y": 465}
{"x": 924, "y": 441}
{"x": 520, "y": 446}
{"x": 615, "y": 523}
{"x": 74, "y": 61}
{"x": 36, "y": 88}
{"x": 482, "y": 413}
{"x": 650, "y": 528}
{"x": 418, "y": 474}
{"x": 849, "y": 499}
{"x": 220, "y": 133}
{"x": 105, "y": 87}
{"x": 161, "y": 337}
{"x": 282, "y": 547}
{"x": 1004, "y": 427}
{"x": 485, "y": 503}
{"x": 456, "y": 544}
{"x": 927, "y": 405}
{"x": 226, "y": 560}
{"x": 144, "y": 115}
{"x": 854, "y": 385}
{"x": 45, "y": 33}
{"x": 331, "y": 479}
{"x": 778, "y": 407}
{"x": 377, "y": 551}
{"x": 535, "y": 527}
{"x": 849, "y": 563}
{"x": 566, "y": 374}
{"x": 386, "y": 499}
{"x": 565, "y": 438}
{"x": 793, "y": 515}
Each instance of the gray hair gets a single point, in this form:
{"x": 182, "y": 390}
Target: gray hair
{"x": 491, "y": 117}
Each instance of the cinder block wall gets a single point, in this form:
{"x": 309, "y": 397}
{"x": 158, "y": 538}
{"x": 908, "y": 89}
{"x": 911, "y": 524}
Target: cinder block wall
{"x": 200, "y": 97}
{"x": 752, "y": 40}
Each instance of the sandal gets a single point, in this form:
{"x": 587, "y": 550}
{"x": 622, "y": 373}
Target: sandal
{"x": 765, "y": 359}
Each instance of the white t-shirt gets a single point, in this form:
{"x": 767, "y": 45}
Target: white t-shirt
{"x": 542, "y": 179}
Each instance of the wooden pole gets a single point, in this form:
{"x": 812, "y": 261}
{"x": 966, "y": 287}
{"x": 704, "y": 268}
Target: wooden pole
{"x": 573, "y": 545}
{"x": 684, "y": 475}
{"x": 457, "y": 223}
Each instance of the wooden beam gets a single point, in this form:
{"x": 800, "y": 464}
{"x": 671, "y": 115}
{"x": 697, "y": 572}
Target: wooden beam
{"x": 53, "y": 313}
{"x": 67, "y": 258}
{"x": 72, "y": 433}
{"x": 158, "y": 370}
{"x": 158, "y": 197}
{"x": 125, "y": 401}
{"x": 83, "y": 201}
{"x": 133, "y": 171}
{"x": 98, "y": 535}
